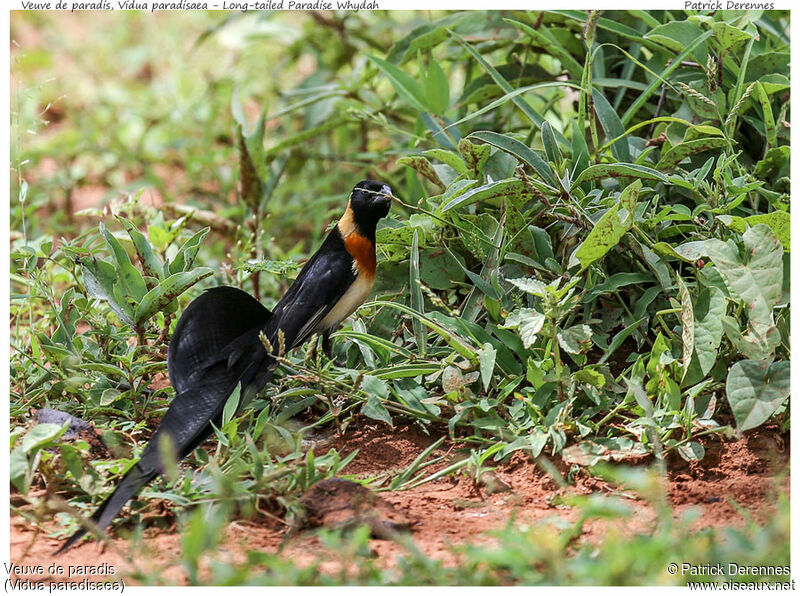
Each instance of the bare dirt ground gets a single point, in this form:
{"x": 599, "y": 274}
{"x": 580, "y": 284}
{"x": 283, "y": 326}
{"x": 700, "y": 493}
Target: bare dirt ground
{"x": 747, "y": 472}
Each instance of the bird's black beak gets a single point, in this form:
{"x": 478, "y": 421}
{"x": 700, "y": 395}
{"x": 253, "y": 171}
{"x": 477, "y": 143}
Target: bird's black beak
{"x": 384, "y": 198}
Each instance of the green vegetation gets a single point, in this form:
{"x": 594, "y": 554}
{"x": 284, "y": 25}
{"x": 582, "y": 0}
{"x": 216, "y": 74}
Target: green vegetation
{"x": 589, "y": 252}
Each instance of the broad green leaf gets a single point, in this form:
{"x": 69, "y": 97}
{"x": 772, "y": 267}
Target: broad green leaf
{"x": 692, "y": 250}
{"x": 677, "y": 35}
{"x": 18, "y": 469}
{"x": 475, "y": 156}
{"x": 618, "y": 170}
{"x": 127, "y": 274}
{"x": 99, "y": 278}
{"x": 709, "y": 308}
{"x": 151, "y": 264}
{"x": 678, "y": 153}
{"x": 405, "y": 85}
{"x": 42, "y": 434}
{"x": 530, "y": 285}
{"x": 760, "y": 341}
{"x": 755, "y": 389}
{"x": 589, "y": 375}
{"x": 575, "y": 339}
{"x": 166, "y": 291}
{"x": 692, "y": 451}
{"x": 756, "y": 276}
{"x": 424, "y": 167}
{"x": 184, "y": 259}
{"x": 448, "y": 157}
{"x": 437, "y": 89}
{"x": 778, "y": 221}
{"x": 520, "y": 151}
{"x": 528, "y": 321}
{"x": 510, "y": 189}
{"x": 729, "y": 36}
{"x": 611, "y": 227}
{"x": 374, "y": 408}
{"x": 109, "y": 396}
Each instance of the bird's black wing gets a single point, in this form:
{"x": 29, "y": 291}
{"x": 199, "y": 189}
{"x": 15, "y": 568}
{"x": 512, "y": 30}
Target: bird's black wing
{"x": 211, "y": 322}
{"x": 320, "y": 285}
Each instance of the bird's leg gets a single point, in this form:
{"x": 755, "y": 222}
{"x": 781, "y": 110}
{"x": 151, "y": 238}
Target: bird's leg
{"x": 327, "y": 344}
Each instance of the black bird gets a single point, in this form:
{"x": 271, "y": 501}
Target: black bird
{"x": 216, "y": 344}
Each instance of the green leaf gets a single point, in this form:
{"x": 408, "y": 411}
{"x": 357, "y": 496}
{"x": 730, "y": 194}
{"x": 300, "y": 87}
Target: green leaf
{"x": 778, "y": 221}
{"x": 618, "y": 170}
{"x": 530, "y": 285}
{"x": 184, "y": 259}
{"x": 437, "y": 89}
{"x": 151, "y": 264}
{"x": 18, "y": 469}
{"x": 424, "y": 167}
{"x": 511, "y": 189}
{"x": 231, "y": 405}
{"x": 611, "y": 227}
{"x": 475, "y": 156}
{"x": 575, "y": 339}
{"x": 551, "y": 148}
{"x": 755, "y": 389}
{"x": 498, "y": 78}
{"x": 166, "y": 291}
{"x": 42, "y": 434}
{"x": 590, "y": 376}
{"x": 756, "y": 276}
{"x": 374, "y": 408}
{"x": 692, "y": 451}
{"x": 520, "y": 151}
{"x": 677, "y": 36}
{"x": 448, "y": 157}
{"x": 99, "y": 278}
{"x": 678, "y": 153}
{"x": 612, "y": 126}
{"x": 406, "y": 87}
{"x": 528, "y": 321}
{"x": 488, "y": 355}
{"x": 709, "y": 308}
{"x": 109, "y": 396}
{"x": 417, "y": 303}
{"x": 729, "y": 36}
{"x": 127, "y": 274}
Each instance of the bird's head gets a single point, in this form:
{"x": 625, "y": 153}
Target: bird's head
{"x": 369, "y": 202}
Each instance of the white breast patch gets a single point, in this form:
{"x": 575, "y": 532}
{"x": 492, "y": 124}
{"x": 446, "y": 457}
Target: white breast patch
{"x": 349, "y": 302}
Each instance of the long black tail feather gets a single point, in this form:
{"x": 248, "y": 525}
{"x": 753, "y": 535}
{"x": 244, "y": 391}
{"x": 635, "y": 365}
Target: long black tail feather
{"x": 130, "y": 484}
{"x": 214, "y": 348}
